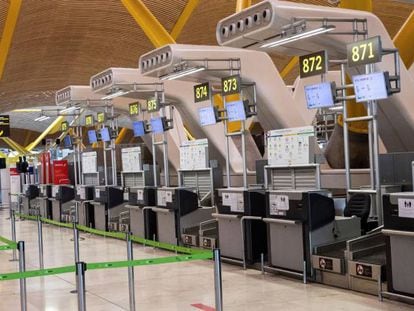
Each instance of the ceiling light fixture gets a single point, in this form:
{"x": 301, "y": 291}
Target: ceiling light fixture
{"x": 68, "y": 109}
{"x": 182, "y": 73}
{"x": 41, "y": 118}
{"x": 298, "y": 36}
{"x": 116, "y": 94}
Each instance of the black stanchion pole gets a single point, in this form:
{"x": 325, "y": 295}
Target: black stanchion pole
{"x": 80, "y": 285}
{"x": 22, "y": 268}
{"x": 131, "y": 277}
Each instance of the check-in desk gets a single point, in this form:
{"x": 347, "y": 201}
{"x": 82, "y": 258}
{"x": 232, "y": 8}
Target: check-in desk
{"x": 242, "y": 233}
{"x": 399, "y": 232}
{"x": 299, "y": 221}
{"x": 30, "y": 199}
{"x": 45, "y": 204}
{"x": 84, "y": 197}
{"x": 107, "y": 201}
{"x": 62, "y": 197}
{"x": 143, "y": 220}
{"x": 177, "y": 210}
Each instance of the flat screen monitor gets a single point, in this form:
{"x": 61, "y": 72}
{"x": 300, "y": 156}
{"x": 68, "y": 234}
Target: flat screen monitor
{"x": 92, "y": 136}
{"x": 235, "y": 111}
{"x": 207, "y": 116}
{"x": 67, "y": 141}
{"x": 105, "y": 136}
{"x": 139, "y": 128}
{"x": 157, "y": 125}
{"x": 371, "y": 86}
{"x": 319, "y": 95}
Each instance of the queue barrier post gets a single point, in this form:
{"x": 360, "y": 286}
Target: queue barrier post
{"x": 40, "y": 241}
{"x": 218, "y": 285}
{"x": 80, "y": 285}
{"x": 131, "y": 276}
{"x": 22, "y": 268}
{"x": 13, "y": 231}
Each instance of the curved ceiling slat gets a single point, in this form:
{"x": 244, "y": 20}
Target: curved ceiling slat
{"x": 63, "y": 42}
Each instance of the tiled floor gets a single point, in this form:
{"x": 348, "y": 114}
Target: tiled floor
{"x": 162, "y": 287}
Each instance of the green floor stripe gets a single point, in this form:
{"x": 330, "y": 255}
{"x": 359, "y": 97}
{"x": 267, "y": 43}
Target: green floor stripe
{"x": 122, "y": 236}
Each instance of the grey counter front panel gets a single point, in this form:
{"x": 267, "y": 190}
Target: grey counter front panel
{"x": 402, "y": 259}
{"x": 286, "y": 246}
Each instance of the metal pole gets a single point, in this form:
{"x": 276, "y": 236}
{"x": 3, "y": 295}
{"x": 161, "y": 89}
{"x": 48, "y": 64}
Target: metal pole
{"x": 262, "y": 263}
{"x": 154, "y": 160}
{"x": 376, "y": 166}
{"x": 40, "y": 241}
{"x": 80, "y": 285}
{"x": 76, "y": 241}
{"x": 345, "y": 128}
{"x": 22, "y": 268}
{"x": 227, "y": 156}
{"x": 165, "y": 152}
{"x": 131, "y": 277}
{"x": 243, "y": 138}
{"x": 13, "y": 230}
{"x": 304, "y": 272}
{"x": 218, "y": 286}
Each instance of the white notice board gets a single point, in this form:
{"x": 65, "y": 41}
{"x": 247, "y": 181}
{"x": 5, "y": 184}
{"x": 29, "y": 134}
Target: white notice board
{"x": 89, "y": 162}
{"x": 131, "y": 160}
{"x": 293, "y": 146}
{"x": 194, "y": 154}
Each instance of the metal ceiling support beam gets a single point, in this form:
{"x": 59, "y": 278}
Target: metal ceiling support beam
{"x": 361, "y": 5}
{"x": 121, "y": 135}
{"x": 58, "y": 120}
{"x": 153, "y": 29}
{"x": 15, "y": 146}
{"x": 188, "y": 134}
{"x": 289, "y": 67}
{"x": 8, "y": 31}
{"x": 184, "y": 17}
{"x": 242, "y": 4}
{"x": 403, "y": 41}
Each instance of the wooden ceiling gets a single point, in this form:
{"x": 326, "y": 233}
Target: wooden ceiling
{"x": 62, "y": 42}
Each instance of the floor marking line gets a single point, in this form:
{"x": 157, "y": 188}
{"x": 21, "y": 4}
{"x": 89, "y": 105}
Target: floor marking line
{"x": 202, "y": 307}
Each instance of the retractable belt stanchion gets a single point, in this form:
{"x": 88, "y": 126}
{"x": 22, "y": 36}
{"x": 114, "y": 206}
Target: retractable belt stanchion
{"x": 13, "y": 231}
{"x": 80, "y": 285}
{"x": 40, "y": 241}
{"x": 131, "y": 277}
{"x": 218, "y": 289}
{"x": 22, "y": 268}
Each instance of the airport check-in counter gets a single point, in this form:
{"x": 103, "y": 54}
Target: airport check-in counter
{"x": 143, "y": 221}
{"x": 205, "y": 181}
{"x": 62, "y": 197}
{"x": 141, "y": 199}
{"x": 84, "y": 196}
{"x": 177, "y": 210}
{"x": 298, "y": 222}
{"x": 107, "y": 201}
{"x": 45, "y": 204}
{"x": 399, "y": 232}
{"x": 30, "y": 199}
{"x": 242, "y": 233}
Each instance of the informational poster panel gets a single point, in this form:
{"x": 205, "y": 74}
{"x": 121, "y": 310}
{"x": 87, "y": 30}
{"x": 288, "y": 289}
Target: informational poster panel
{"x": 60, "y": 172}
{"x": 293, "y": 146}
{"x": 89, "y": 162}
{"x": 15, "y": 185}
{"x": 194, "y": 154}
{"x": 131, "y": 160}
